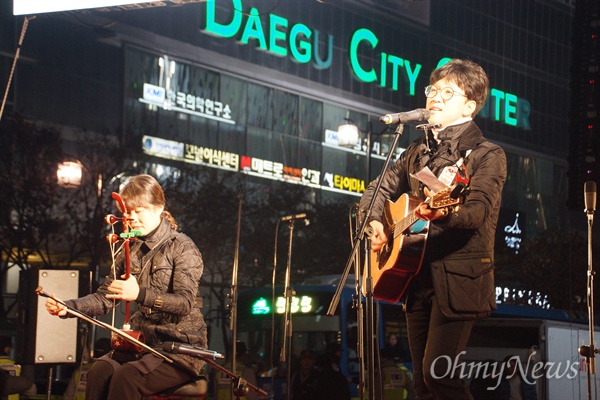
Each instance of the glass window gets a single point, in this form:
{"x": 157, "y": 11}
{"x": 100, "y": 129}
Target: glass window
{"x": 233, "y": 93}
{"x": 260, "y": 112}
{"x": 310, "y": 124}
{"x": 285, "y": 112}
{"x": 262, "y": 144}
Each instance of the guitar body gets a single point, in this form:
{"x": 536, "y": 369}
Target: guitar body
{"x": 394, "y": 266}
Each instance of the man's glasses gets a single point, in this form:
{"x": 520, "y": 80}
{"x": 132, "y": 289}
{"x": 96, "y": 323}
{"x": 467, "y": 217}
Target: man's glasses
{"x": 446, "y": 93}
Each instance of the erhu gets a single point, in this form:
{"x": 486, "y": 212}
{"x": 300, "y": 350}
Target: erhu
{"x": 118, "y": 342}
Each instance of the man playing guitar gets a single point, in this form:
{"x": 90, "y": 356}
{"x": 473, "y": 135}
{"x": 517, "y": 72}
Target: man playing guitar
{"x": 454, "y": 282}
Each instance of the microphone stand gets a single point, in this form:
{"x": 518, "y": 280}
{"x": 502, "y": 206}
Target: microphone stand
{"x": 358, "y": 304}
{"x": 589, "y": 351}
{"x": 362, "y": 233}
{"x": 241, "y": 384}
{"x": 286, "y": 351}
{"x": 233, "y": 295}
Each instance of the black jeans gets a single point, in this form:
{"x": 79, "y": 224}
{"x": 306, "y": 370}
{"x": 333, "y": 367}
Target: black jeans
{"x": 435, "y": 342}
{"x": 126, "y": 382}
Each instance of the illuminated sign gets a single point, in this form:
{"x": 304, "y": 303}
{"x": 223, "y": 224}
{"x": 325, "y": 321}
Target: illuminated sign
{"x": 511, "y": 229}
{"x": 254, "y": 166}
{"x": 512, "y": 237}
{"x": 521, "y": 296}
{"x": 154, "y": 94}
{"x": 261, "y": 306}
{"x": 212, "y": 157}
{"x": 275, "y": 170}
{"x": 22, "y": 7}
{"x": 274, "y": 34}
{"x": 249, "y": 165}
{"x": 507, "y": 108}
{"x": 399, "y": 66}
{"x": 299, "y": 305}
{"x": 186, "y": 103}
{"x": 280, "y": 38}
{"x": 344, "y": 183}
{"x": 307, "y": 304}
{"x": 163, "y": 148}
{"x": 189, "y": 153}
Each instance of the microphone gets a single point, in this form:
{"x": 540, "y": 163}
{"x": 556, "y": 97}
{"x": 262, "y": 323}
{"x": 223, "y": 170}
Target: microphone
{"x": 418, "y": 115}
{"x": 590, "y": 197}
{"x": 292, "y": 217}
{"x": 190, "y": 350}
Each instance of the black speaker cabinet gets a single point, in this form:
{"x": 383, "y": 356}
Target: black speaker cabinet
{"x": 43, "y": 338}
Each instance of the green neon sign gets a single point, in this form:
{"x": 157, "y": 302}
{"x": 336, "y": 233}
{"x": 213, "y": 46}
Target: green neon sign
{"x": 368, "y": 63}
{"x": 261, "y": 306}
{"x": 277, "y": 37}
{"x": 391, "y": 67}
{"x": 507, "y": 108}
{"x": 299, "y": 305}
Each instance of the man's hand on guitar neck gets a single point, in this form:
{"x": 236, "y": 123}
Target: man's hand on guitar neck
{"x": 430, "y": 214}
{"x": 424, "y": 212}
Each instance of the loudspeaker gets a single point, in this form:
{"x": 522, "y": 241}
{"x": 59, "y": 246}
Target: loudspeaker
{"x": 44, "y": 338}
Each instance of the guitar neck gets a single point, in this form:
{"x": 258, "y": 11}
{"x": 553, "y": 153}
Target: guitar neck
{"x": 406, "y": 223}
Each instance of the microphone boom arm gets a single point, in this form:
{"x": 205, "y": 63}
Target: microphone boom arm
{"x": 209, "y": 356}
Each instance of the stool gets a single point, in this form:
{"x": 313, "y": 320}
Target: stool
{"x": 195, "y": 388}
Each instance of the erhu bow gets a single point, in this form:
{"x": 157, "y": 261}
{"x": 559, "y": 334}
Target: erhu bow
{"x": 115, "y": 331}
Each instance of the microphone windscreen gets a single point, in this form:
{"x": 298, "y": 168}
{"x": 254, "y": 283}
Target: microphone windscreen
{"x": 590, "y": 196}
{"x": 169, "y": 347}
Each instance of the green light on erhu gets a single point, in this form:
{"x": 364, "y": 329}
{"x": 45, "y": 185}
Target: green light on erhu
{"x": 131, "y": 234}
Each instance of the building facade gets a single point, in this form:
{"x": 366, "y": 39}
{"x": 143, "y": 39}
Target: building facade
{"x": 260, "y": 87}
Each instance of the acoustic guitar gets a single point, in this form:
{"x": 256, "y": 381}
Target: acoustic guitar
{"x": 399, "y": 260}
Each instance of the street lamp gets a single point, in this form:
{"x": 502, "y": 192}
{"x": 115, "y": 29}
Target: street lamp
{"x": 69, "y": 174}
{"x": 348, "y": 134}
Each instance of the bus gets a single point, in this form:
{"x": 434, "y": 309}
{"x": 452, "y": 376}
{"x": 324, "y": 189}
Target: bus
{"x": 554, "y": 336}
{"x": 260, "y": 327}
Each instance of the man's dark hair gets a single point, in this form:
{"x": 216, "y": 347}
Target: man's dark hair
{"x": 467, "y": 75}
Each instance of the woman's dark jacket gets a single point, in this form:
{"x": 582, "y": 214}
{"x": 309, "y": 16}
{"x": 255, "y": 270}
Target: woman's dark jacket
{"x": 459, "y": 251}
{"x": 168, "y": 266}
